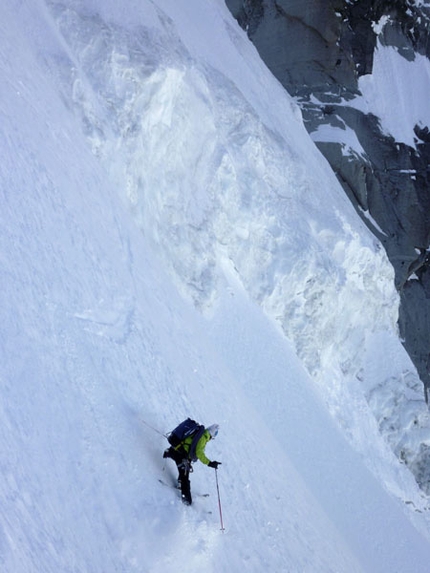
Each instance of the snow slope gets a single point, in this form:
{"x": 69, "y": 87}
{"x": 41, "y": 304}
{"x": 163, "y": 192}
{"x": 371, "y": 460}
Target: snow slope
{"x": 179, "y": 117}
{"x": 173, "y": 246}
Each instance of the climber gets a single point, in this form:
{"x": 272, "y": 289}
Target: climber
{"x": 188, "y": 442}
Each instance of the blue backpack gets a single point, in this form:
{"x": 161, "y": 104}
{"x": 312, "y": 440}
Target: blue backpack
{"x": 185, "y": 430}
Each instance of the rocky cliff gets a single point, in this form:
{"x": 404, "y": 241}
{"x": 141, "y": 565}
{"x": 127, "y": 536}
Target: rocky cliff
{"x": 319, "y": 50}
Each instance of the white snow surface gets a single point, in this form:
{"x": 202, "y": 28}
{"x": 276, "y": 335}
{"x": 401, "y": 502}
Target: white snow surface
{"x": 173, "y": 244}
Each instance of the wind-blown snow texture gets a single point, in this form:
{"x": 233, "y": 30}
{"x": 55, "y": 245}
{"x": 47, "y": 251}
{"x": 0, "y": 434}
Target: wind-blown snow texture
{"x": 173, "y": 245}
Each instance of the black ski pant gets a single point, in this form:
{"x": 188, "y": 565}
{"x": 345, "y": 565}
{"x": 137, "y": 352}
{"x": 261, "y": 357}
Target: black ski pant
{"x": 180, "y": 457}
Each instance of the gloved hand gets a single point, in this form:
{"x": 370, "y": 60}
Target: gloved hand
{"x": 166, "y": 453}
{"x": 214, "y": 465}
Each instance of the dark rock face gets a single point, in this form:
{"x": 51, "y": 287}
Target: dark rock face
{"x": 318, "y": 49}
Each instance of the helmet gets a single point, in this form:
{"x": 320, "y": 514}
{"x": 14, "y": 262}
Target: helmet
{"x": 213, "y": 430}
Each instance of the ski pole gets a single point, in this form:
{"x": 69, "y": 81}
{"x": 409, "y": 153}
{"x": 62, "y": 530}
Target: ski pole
{"x": 152, "y": 428}
{"x": 219, "y": 501}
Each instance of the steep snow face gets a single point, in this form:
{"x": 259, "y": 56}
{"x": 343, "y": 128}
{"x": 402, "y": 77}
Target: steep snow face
{"x": 206, "y": 170}
{"x": 213, "y": 160}
{"x": 97, "y": 343}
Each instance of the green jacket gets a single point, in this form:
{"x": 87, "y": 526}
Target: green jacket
{"x": 200, "y": 446}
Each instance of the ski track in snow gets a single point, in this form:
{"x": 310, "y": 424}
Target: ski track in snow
{"x": 112, "y": 201}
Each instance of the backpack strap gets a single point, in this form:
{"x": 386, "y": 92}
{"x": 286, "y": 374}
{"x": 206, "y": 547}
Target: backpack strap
{"x": 196, "y": 438}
